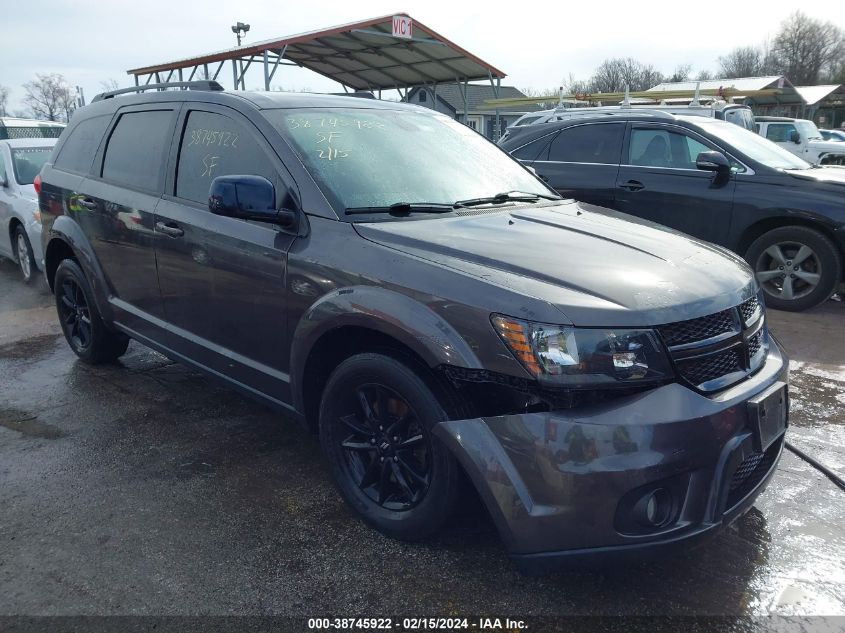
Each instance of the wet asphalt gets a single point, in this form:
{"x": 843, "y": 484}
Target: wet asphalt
{"x": 145, "y": 488}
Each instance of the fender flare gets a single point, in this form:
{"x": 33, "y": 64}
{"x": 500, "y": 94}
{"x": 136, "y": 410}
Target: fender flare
{"x": 403, "y": 318}
{"x": 68, "y": 231}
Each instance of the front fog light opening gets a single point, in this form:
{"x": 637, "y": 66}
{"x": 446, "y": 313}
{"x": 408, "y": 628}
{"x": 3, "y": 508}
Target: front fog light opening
{"x": 654, "y": 509}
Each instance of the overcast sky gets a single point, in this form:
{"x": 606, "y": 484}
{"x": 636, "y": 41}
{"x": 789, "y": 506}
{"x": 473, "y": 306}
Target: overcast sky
{"x": 535, "y": 43}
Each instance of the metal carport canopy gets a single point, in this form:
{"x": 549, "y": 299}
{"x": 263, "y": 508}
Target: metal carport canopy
{"x": 361, "y": 55}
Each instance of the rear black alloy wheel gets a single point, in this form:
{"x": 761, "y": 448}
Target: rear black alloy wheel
{"x": 376, "y": 420}
{"x": 797, "y": 267}
{"x": 387, "y": 451}
{"x": 75, "y": 315}
{"x": 81, "y": 323}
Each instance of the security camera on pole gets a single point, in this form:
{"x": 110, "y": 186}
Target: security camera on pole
{"x": 240, "y": 30}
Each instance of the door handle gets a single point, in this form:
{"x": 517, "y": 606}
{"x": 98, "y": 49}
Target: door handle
{"x": 632, "y": 185}
{"x": 169, "y": 228}
{"x": 88, "y": 203}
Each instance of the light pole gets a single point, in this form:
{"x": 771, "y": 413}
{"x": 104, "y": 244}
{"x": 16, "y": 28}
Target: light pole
{"x": 240, "y": 29}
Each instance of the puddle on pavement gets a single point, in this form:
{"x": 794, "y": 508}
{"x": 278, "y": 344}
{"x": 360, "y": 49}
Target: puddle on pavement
{"x": 28, "y": 425}
{"x": 30, "y": 348}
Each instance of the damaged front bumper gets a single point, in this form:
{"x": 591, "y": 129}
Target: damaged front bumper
{"x": 574, "y": 485}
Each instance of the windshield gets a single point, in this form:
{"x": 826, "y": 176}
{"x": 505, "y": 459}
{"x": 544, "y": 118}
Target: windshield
{"x": 28, "y": 161}
{"x": 752, "y": 145}
{"x": 808, "y": 130}
{"x": 376, "y": 158}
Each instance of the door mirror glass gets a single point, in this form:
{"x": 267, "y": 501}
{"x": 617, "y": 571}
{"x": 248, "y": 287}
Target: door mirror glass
{"x": 248, "y": 198}
{"x": 795, "y": 137}
{"x": 713, "y": 161}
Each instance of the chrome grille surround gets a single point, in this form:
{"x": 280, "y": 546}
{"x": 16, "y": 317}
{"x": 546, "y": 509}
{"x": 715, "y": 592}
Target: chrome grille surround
{"x": 718, "y": 350}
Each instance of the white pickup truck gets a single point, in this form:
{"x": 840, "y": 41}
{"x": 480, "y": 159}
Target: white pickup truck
{"x": 802, "y": 138}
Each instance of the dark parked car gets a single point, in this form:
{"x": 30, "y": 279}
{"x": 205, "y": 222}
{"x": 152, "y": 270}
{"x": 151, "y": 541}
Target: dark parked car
{"x": 713, "y": 180}
{"x": 609, "y": 388}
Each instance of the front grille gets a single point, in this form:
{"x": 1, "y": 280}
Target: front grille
{"x": 748, "y": 309}
{"x": 704, "y": 369}
{"x": 715, "y": 351}
{"x": 684, "y": 332}
{"x": 755, "y": 343}
{"x": 750, "y": 473}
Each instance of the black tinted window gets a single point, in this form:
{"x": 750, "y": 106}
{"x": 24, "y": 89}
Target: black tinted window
{"x": 654, "y": 147}
{"x": 136, "y": 148}
{"x": 535, "y": 150}
{"x": 588, "y": 144}
{"x": 215, "y": 145}
{"x": 78, "y": 150}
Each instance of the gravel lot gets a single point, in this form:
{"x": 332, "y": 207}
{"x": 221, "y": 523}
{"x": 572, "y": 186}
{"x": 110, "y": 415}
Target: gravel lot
{"x": 144, "y": 488}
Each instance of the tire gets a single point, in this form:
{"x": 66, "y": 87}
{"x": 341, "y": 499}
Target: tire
{"x": 375, "y": 423}
{"x": 798, "y": 262}
{"x": 24, "y": 256}
{"x": 81, "y": 323}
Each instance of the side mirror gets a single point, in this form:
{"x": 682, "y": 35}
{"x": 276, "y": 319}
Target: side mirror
{"x": 713, "y": 161}
{"x": 795, "y": 137}
{"x": 532, "y": 170}
{"x": 248, "y": 198}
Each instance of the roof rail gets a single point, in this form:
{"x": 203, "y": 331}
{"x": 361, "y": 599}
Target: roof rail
{"x": 612, "y": 111}
{"x": 187, "y": 85}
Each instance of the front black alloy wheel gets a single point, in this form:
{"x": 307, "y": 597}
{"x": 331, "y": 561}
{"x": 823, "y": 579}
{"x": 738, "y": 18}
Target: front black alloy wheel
{"x": 81, "y": 323}
{"x": 387, "y": 451}
{"x": 376, "y": 421}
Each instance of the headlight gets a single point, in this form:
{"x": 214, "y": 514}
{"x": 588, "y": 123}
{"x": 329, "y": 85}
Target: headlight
{"x": 584, "y": 357}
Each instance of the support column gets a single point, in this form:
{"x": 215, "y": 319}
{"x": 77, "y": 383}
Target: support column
{"x": 235, "y": 74}
{"x": 266, "y": 72}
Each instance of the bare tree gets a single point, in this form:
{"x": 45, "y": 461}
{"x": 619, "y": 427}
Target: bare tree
{"x": 49, "y": 97}
{"x": 704, "y": 75}
{"x": 805, "y": 47}
{"x": 743, "y": 61}
{"x": 109, "y": 84}
{"x": 614, "y": 75}
{"x": 534, "y": 92}
{"x": 4, "y": 100}
{"x": 575, "y": 86}
{"x": 681, "y": 73}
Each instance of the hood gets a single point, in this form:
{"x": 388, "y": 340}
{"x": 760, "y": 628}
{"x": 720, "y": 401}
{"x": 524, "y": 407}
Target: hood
{"x": 832, "y": 174}
{"x": 597, "y": 266}
{"x": 837, "y": 147}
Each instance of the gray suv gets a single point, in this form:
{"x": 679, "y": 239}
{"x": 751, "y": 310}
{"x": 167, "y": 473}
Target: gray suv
{"x": 440, "y": 317}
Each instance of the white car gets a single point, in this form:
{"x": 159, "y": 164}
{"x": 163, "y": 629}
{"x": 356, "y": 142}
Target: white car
{"x": 20, "y": 221}
{"x": 833, "y": 135}
{"x": 802, "y": 138}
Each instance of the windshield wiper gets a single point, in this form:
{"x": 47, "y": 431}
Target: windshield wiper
{"x": 507, "y": 196}
{"x": 403, "y": 208}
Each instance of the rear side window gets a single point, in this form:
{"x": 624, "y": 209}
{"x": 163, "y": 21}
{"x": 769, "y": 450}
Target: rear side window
{"x": 77, "y": 152}
{"x": 136, "y": 149}
{"x": 779, "y": 132}
{"x": 216, "y": 145}
{"x": 600, "y": 143}
{"x": 535, "y": 150}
